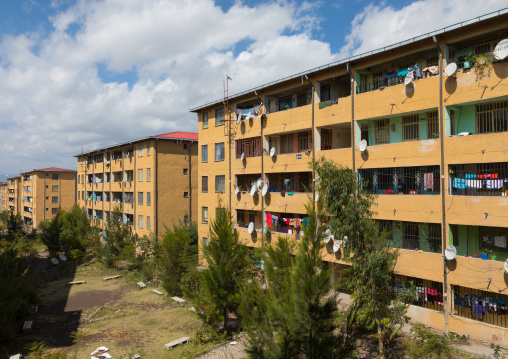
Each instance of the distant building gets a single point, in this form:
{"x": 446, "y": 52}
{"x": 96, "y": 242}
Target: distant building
{"x": 3, "y": 196}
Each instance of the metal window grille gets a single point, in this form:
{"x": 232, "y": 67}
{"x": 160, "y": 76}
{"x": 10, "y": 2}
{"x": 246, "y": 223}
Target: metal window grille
{"x": 140, "y": 175}
{"x": 325, "y": 93}
{"x": 493, "y": 238}
{"x": 292, "y": 182}
{"x": 432, "y": 61}
{"x": 410, "y": 236}
{"x": 429, "y": 294}
{"x": 432, "y": 124}
{"x": 401, "y": 180}
{"x": 250, "y": 147}
{"x": 487, "y": 307}
{"x": 286, "y": 143}
{"x": 482, "y": 49}
{"x": 326, "y": 139}
{"x": 219, "y": 151}
{"x": 245, "y": 182}
{"x": 382, "y": 131}
{"x": 492, "y": 117}
{"x": 410, "y": 126}
{"x": 303, "y": 141}
{"x": 421, "y": 236}
{"x": 301, "y": 99}
{"x": 204, "y": 184}
{"x": 479, "y": 179}
{"x": 219, "y": 116}
{"x": 220, "y": 183}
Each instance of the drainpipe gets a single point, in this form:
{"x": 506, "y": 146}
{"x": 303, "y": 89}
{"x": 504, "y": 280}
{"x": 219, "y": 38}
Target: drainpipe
{"x": 313, "y": 144}
{"x": 353, "y": 139}
{"x": 156, "y": 194}
{"x": 190, "y": 183}
{"x": 443, "y": 202}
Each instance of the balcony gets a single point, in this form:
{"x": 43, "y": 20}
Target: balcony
{"x": 479, "y": 148}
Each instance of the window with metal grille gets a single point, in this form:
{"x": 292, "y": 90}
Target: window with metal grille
{"x": 148, "y": 198}
{"x": 204, "y": 153}
{"x": 250, "y": 147}
{"x": 410, "y": 128}
{"x": 382, "y": 128}
{"x": 429, "y": 294}
{"x": 140, "y": 198}
{"x": 140, "y": 222}
{"x": 220, "y": 183}
{"x": 378, "y": 80}
{"x": 410, "y": 236}
{"x": 325, "y": 93}
{"x": 204, "y": 184}
{"x": 482, "y": 49}
{"x": 432, "y": 61}
{"x": 480, "y": 305}
{"x": 301, "y": 99}
{"x": 219, "y": 151}
{"x": 140, "y": 175}
{"x": 140, "y": 151}
{"x": 303, "y": 141}
{"x": 479, "y": 179}
{"x": 54, "y": 176}
{"x": 245, "y": 182}
{"x": 326, "y": 139}
{"x": 492, "y": 117}
{"x": 432, "y": 124}
{"x": 493, "y": 238}
{"x": 54, "y": 188}
{"x": 219, "y": 116}
{"x": 385, "y": 227}
{"x": 290, "y": 182}
{"x": 421, "y": 236}
{"x": 54, "y": 199}
{"x": 286, "y": 143}
{"x": 205, "y": 120}
{"x": 148, "y": 175}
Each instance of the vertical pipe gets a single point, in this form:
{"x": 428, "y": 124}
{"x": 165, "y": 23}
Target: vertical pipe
{"x": 353, "y": 138}
{"x": 313, "y": 143}
{"x": 190, "y": 183}
{"x": 229, "y": 147}
{"x": 155, "y": 197}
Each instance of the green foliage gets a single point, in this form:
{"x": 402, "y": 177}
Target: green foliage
{"x": 429, "y": 345}
{"x": 228, "y": 267}
{"x": 498, "y": 352}
{"x": 14, "y": 225}
{"x": 24, "y": 246}
{"x": 38, "y": 350}
{"x": 118, "y": 240}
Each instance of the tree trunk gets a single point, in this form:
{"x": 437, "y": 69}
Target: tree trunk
{"x": 225, "y": 319}
{"x": 380, "y": 338}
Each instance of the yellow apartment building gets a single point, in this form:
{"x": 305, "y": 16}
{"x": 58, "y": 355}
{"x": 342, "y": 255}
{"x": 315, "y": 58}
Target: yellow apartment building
{"x": 3, "y": 196}
{"x": 43, "y": 191}
{"x": 424, "y": 123}
{"x": 13, "y": 194}
{"x": 152, "y": 181}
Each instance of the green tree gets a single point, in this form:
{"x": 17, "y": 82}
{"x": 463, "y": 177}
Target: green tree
{"x": 14, "y": 225}
{"x": 228, "y": 266}
{"x": 77, "y": 234}
{"x": 118, "y": 239}
{"x": 51, "y": 231}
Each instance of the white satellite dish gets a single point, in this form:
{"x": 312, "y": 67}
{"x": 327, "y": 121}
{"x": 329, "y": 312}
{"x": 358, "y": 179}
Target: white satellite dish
{"x": 238, "y": 118}
{"x": 450, "y": 69}
{"x": 237, "y": 190}
{"x": 344, "y": 241}
{"x": 501, "y": 50}
{"x": 506, "y": 266}
{"x": 408, "y": 78}
{"x": 62, "y": 257}
{"x": 317, "y": 196}
{"x": 463, "y": 134}
{"x": 336, "y": 246}
{"x": 328, "y": 231}
{"x": 301, "y": 233}
{"x": 253, "y": 190}
{"x": 250, "y": 229}
{"x": 54, "y": 261}
{"x": 327, "y": 239}
{"x": 450, "y": 253}
{"x": 272, "y": 152}
{"x": 363, "y": 145}
{"x": 265, "y": 190}
{"x": 242, "y": 157}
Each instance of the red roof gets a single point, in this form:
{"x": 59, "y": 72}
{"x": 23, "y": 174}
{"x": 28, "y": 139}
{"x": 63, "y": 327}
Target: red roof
{"x": 180, "y": 135}
{"x": 3, "y": 183}
{"x": 55, "y": 169}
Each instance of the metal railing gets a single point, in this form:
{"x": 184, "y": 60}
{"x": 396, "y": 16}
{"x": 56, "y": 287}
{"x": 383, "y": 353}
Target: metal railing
{"x": 401, "y": 180}
{"x": 429, "y": 294}
{"x": 479, "y": 179}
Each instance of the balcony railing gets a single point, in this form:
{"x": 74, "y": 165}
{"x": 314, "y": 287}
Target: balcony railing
{"x": 401, "y": 180}
{"x": 479, "y": 179}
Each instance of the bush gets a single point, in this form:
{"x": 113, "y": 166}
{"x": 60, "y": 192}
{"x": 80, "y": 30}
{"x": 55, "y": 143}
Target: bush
{"x": 428, "y": 344}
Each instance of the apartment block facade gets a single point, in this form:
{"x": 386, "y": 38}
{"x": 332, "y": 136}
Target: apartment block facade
{"x": 3, "y": 196}
{"x": 436, "y": 158}
{"x": 13, "y": 194}
{"x": 152, "y": 181}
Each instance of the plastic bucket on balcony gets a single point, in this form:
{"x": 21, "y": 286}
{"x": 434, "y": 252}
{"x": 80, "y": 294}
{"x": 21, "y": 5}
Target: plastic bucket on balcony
{"x": 485, "y": 256}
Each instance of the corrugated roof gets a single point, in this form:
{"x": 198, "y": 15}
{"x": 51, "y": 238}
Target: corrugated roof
{"x": 52, "y": 169}
{"x": 180, "y": 135}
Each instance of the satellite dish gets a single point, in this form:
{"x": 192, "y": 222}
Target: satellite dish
{"x": 327, "y": 239}
{"x": 272, "y": 152}
{"x": 238, "y": 118}
{"x": 506, "y": 266}
{"x": 336, "y": 246}
{"x": 242, "y": 157}
{"x": 62, "y": 257}
{"x": 265, "y": 190}
{"x": 463, "y": 134}
{"x": 344, "y": 241}
{"x": 450, "y": 253}
{"x": 251, "y": 227}
{"x": 501, "y": 50}
{"x": 237, "y": 190}
{"x": 408, "y": 78}
{"x": 301, "y": 233}
{"x": 328, "y": 231}
{"x": 363, "y": 145}
{"x": 253, "y": 190}
{"x": 54, "y": 261}
{"x": 450, "y": 69}
{"x": 317, "y": 196}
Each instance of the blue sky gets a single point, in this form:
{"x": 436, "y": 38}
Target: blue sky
{"x": 89, "y": 73}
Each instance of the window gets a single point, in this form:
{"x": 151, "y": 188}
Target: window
{"x": 148, "y": 223}
{"x": 250, "y": 147}
{"x": 205, "y": 120}
{"x": 148, "y": 174}
{"x": 325, "y": 93}
{"x": 219, "y": 151}
{"x": 148, "y": 198}
{"x": 140, "y": 222}
{"x": 285, "y": 103}
{"x": 326, "y": 139}
{"x": 482, "y": 49}
{"x": 54, "y": 199}
{"x": 204, "y": 214}
{"x": 303, "y": 141}
{"x": 492, "y": 117}
{"x": 382, "y": 131}
{"x": 54, "y": 188}
{"x": 219, "y": 116}
{"x": 204, "y": 184}
{"x": 186, "y": 194}
{"x": 452, "y": 122}
{"x": 220, "y": 183}
{"x": 54, "y": 210}
{"x": 301, "y": 99}
{"x": 432, "y": 124}
{"x": 54, "y": 176}
{"x": 140, "y": 175}
{"x": 140, "y": 198}
{"x": 148, "y": 149}
{"x": 433, "y": 61}
{"x": 205, "y": 241}
{"x": 185, "y": 171}
{"x": 140, "y": 151}
{"x": 410, "y": 128}
{"x": 286, "y": 143}
{"x": 204, "y": 153}
{"x": 185, "y": 146}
